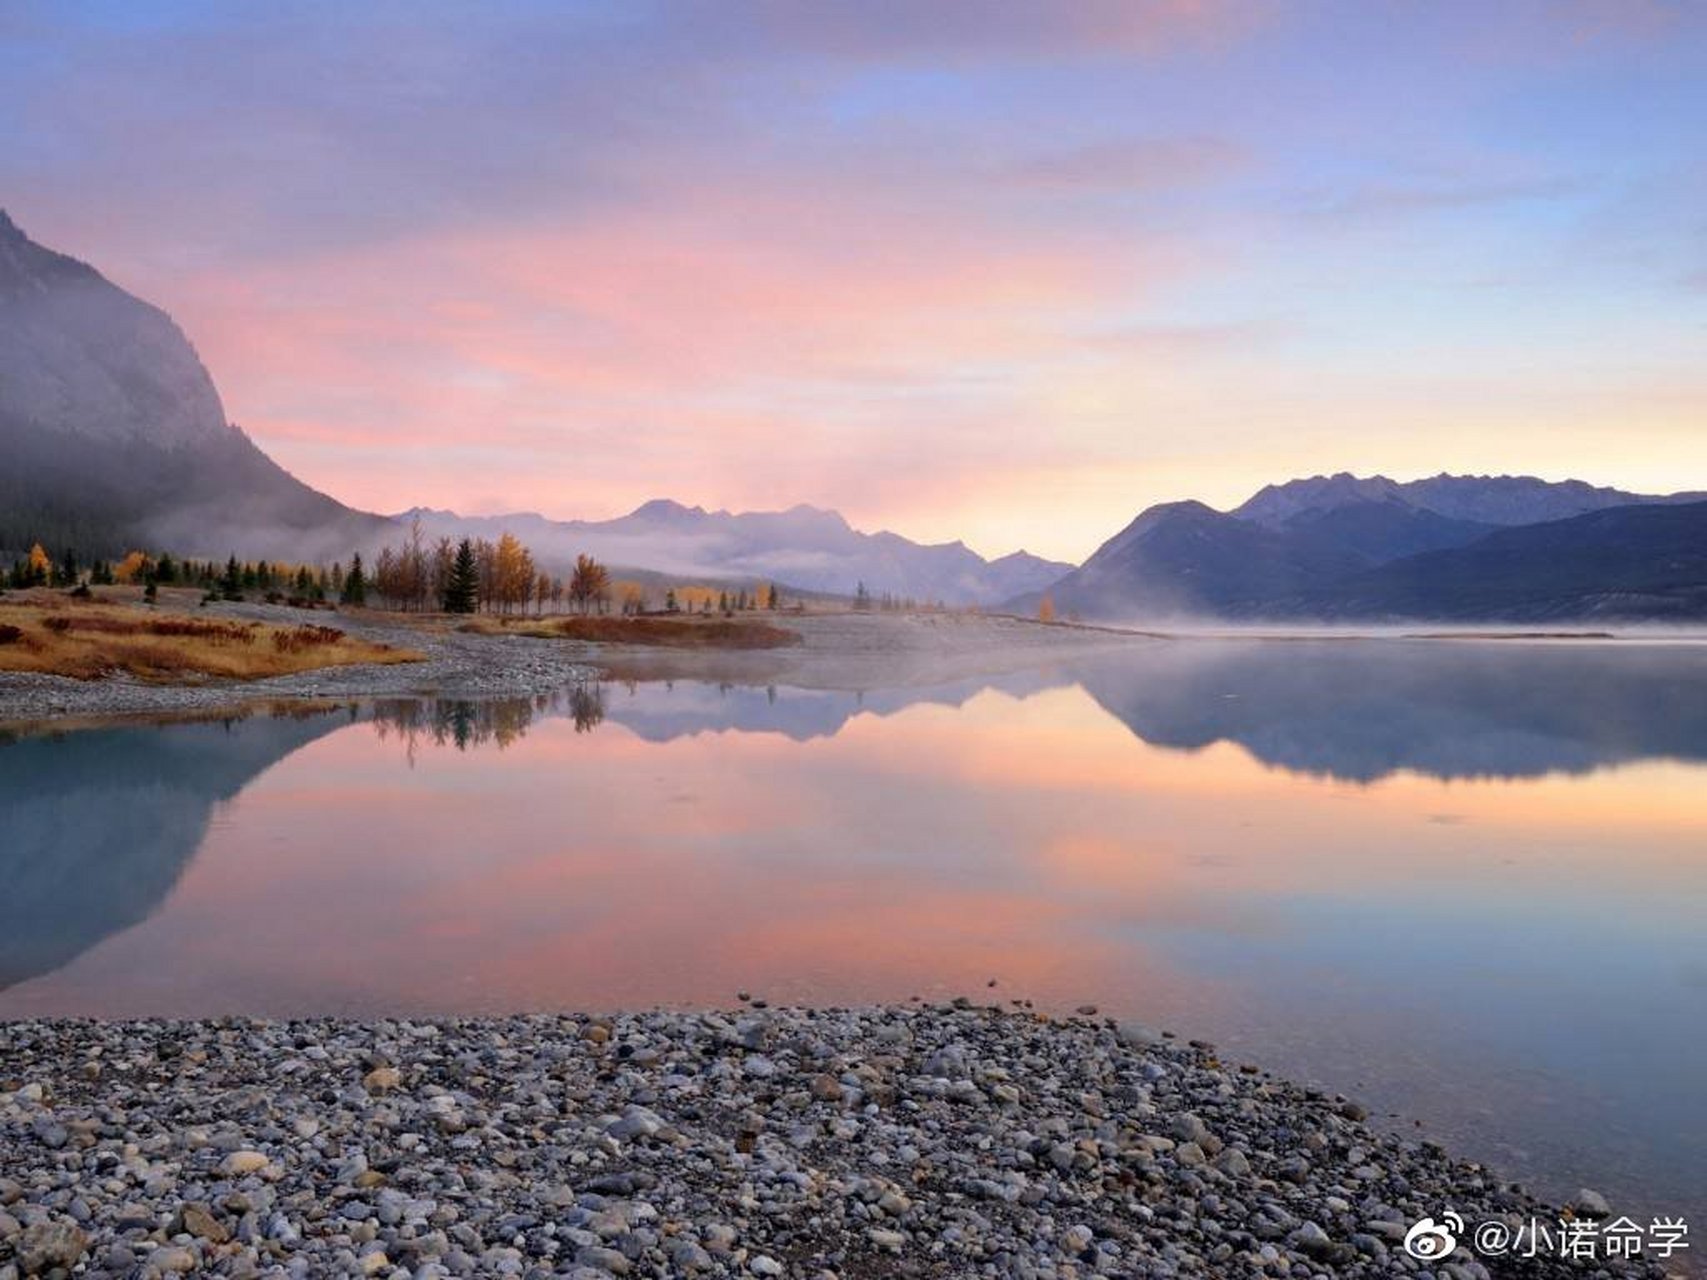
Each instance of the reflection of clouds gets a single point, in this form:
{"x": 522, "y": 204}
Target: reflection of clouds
{"x": 1331, "y": 927}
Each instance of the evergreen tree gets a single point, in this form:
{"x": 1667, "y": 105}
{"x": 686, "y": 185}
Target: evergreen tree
{"x": 862, "y": 598}
{"x": 231, "y": 585}
{"x": 355, "y": 585}
{"x": 670, "y": 603}
{"x": 164, "y": 570}
{"x": 462, "y": 585}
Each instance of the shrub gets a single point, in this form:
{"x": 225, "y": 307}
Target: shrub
{"x": 298, "y": 639}
{"x": 196, "y": 629}
{"x": 10, "y": 634}
{"x": 678, "y": 633}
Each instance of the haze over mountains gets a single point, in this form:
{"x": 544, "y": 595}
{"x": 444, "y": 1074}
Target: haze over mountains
{"x": 114, "y": 437}
{"x": 804, "y": 547}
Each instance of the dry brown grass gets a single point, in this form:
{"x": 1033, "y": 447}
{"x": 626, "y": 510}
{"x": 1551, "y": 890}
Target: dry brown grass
{"x": 674, "y": 633}
{"x": 85, "y": 641}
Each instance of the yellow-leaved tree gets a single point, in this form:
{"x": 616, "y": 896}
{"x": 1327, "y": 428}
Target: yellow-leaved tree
{"x": 590, "y": 583}
{"x": 514, "y": 572}
{"x": 132, "y": 567}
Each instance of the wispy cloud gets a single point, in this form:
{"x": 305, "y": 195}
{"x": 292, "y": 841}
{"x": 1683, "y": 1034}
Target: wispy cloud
{"x": 974, "y": 268}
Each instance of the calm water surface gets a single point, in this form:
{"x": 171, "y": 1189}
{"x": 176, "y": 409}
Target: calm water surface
{"x": 1465, "y": 882}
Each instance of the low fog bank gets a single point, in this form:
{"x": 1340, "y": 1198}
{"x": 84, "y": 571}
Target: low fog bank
{"x": 1197, "y": 626}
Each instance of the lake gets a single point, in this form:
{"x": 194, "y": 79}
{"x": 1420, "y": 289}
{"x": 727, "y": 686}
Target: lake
{"x": 1464, "y": 882}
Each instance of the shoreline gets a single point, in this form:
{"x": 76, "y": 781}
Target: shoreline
{"x": 839, "y": 651}
{"x": 911, "y": 1140}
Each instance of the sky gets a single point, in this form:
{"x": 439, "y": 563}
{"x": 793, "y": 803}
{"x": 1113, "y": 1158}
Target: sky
{"x": 969, "y": 269}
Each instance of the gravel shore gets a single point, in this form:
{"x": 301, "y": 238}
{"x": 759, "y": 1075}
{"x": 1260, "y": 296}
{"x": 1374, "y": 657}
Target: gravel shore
{"x": 457, "y": 664}
{"x": 889, "y": 1142}
{"x": 851, "y": 651}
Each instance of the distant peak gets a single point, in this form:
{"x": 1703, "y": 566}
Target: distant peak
{"x": 7, "y": 226}
{"x": 664, "y": 509}
{"x": 822, "y": 515}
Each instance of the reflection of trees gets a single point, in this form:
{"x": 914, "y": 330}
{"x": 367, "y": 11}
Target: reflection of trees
{"x": 587, "y": 705}
{"x": 446, "y": 722}
{"x": 464, "y": 723}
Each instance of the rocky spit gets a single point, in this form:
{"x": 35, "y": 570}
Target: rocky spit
{"x": 846, "y": 651}
{"x": 890, "y": 1142}
{"x": 455, "y": 664}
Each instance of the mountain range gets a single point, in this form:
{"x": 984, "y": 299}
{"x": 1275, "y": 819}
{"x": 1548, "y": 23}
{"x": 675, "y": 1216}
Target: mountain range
{"x": 1449, "y": 548}
{"x": 113, "y": 436}
{"x": 804, "y": 547}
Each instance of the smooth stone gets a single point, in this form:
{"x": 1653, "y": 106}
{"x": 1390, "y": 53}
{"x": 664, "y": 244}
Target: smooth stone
{"x": 47, "y": 1245}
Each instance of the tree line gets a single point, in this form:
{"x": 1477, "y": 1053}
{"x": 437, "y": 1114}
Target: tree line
{"x": 477, "y": 575}
{"x": 470, "y": 575}
{"x": 235, "y": 579}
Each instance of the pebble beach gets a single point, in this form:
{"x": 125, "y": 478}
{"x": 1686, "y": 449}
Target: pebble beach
{"x": 914, "y": 1140}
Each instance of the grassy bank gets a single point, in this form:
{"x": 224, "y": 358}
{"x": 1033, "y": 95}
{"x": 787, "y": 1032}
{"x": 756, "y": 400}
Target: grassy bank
{"x": 86, "y": 641}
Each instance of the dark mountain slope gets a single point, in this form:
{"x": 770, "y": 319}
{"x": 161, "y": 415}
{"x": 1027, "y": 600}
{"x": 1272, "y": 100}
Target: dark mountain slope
{"x": 1348, "y": 549}
{"x": 1381, "y": 530}
{"x": 1635, "y": 562}
{"x": 1184, "y": 560}
{"x": 112, "y": 435}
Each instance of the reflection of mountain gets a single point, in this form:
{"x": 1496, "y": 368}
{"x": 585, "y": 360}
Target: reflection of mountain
{"x": 100, "y": 824}
{"x": 664, "y": 710}
{"x": 1353, "y": 709}
{"x": 1364, "y": 709}
{"x": 659, "y": 713}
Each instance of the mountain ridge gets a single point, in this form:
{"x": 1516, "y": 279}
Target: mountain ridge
{"x": 1349, "y": 548}
{"x": 1483, "y": 499}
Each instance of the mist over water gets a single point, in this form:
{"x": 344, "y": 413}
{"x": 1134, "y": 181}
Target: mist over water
{"x": 1460, "y": 881}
